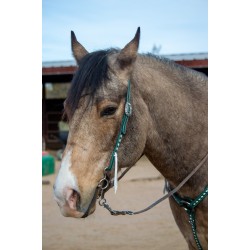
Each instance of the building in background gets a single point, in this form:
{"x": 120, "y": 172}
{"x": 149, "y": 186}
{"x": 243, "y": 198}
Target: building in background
{"x": 56, "y": 78}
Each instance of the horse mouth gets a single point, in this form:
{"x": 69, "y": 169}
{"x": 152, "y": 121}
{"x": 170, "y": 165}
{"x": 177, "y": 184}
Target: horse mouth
{"x": 92, "y": 205}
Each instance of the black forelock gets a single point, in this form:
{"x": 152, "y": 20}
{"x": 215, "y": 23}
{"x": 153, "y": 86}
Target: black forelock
{"x": 92, "y": 73}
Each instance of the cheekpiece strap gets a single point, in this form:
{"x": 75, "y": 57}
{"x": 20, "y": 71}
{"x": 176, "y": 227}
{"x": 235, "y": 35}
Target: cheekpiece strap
{"x": 123, "y": 128}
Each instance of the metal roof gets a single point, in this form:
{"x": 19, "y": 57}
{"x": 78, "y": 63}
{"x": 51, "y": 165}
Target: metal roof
{"x": 67, "y": 63}
{"x": 187, "y": 57}
{"x": 174, "y": 57}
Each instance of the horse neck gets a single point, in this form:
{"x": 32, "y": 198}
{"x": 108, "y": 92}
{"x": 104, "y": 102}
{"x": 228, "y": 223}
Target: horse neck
{"x": 176, "y": 99}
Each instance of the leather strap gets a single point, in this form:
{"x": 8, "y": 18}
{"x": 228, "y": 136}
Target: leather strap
{"x": 170, "y": 193}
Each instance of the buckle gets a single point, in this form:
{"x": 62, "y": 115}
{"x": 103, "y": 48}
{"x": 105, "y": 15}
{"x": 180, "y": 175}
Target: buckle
{"x": 128, "y": 109}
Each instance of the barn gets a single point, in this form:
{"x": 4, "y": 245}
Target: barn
{"x": 56, "y": 78}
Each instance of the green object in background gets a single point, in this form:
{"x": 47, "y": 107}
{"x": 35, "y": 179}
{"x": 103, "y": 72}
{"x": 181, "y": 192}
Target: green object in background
{"x": 48, "y": 165}
{"x": 63, "y": 126}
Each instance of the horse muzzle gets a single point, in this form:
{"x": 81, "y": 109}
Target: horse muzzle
{"x": 70, "y": 204}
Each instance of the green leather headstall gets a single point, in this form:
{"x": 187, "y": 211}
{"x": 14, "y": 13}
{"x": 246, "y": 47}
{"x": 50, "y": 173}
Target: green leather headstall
{"x": 122, "y": 132}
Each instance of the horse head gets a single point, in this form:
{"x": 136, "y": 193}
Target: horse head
{"x": 95, "y": 108}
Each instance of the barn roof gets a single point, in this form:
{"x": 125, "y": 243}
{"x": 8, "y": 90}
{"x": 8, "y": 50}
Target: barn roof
{"x": 193, "y": 60}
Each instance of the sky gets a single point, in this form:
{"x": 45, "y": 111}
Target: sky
{"x": 174, "y": 26}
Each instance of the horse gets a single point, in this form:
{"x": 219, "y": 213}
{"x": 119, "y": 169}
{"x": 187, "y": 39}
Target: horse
{"x": 168, "y": 123}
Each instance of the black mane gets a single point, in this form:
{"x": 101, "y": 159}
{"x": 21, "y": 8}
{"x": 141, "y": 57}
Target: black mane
{"x": 93, "y": 72}
{"x": 90, "y": 76}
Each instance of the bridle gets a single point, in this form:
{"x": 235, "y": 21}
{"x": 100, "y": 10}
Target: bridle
{"x": 106, "y": 182}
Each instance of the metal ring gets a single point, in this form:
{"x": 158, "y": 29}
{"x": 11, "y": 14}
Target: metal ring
{"x": 102, "y": 202}
{"x": 102, "y": 182}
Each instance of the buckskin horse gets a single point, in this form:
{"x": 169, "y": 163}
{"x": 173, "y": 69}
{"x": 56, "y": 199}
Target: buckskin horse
{"x": 122, "y": 105}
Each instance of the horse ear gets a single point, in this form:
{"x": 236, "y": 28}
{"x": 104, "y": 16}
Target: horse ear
{"x": 128, "y": 54}
{"x": 78, "y": 50}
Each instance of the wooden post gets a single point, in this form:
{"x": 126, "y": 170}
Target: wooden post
{"x": 44, "y": 119}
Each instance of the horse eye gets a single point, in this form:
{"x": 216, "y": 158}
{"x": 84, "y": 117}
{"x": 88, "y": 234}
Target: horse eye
{"x": 108, "y": 111}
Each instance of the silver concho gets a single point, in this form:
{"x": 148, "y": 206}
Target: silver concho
{"x": 128, "y": 109}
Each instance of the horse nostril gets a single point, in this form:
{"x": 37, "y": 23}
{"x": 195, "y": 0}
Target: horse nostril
{"x": 73, "y": 199}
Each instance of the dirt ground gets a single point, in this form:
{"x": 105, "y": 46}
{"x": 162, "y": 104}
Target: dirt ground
{"x": 154, "y": 230}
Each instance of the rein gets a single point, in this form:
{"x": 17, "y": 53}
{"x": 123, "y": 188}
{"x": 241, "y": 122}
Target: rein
{"x": 108, "y": 185}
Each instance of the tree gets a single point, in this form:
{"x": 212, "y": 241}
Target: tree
{"x": 156, "y": 49}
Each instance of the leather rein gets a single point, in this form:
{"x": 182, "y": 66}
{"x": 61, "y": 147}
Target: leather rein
{"x": 106, "y": 182}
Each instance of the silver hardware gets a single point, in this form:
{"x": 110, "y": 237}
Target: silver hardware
{"x": 103, "y": 183}
{"x": 128, "y": 109}
{"x": 102, "y": 202}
